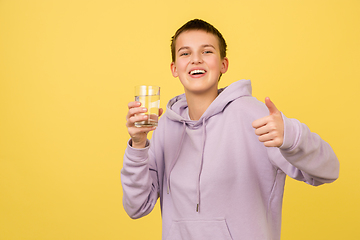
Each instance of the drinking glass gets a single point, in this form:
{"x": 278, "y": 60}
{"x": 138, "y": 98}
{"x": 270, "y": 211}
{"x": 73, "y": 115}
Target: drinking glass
{"x": 149, "y": 97}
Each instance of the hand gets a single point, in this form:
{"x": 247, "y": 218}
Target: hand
{"x": 270, "y": 129}
{"x": 138, "y": 134}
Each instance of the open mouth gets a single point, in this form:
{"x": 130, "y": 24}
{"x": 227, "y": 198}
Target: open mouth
{"x": 197, "y": 72}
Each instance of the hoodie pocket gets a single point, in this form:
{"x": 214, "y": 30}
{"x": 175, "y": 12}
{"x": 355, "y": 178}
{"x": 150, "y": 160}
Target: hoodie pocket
{"x": 214, "y": 229}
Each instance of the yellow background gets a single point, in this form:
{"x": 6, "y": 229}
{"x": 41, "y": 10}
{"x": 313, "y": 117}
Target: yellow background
{"x": 67, "y": 71}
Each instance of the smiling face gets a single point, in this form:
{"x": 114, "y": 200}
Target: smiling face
{"x": 198, "y": 63}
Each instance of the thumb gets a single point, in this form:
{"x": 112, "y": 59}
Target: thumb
{"x": 271, "y": 106}
{"x": 161, "y": 111}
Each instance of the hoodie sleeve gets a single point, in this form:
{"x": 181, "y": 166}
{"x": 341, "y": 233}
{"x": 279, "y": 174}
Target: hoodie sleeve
{"x": 307, "y": 157}
{"x": 139, "y": 179}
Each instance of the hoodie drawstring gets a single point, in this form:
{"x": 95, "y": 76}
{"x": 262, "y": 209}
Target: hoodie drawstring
{"x": 176, "y": 158}
{"x": 201, "y": 165}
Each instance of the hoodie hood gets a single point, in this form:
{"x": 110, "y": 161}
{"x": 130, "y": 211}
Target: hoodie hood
{"x": 177, "y": 111}
{"x": 177, "y": 108}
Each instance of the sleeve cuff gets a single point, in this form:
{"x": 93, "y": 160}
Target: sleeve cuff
{"x": 137, "y": 154}
{"x": 146, "y": 145}
{"x": 291, "y": 130}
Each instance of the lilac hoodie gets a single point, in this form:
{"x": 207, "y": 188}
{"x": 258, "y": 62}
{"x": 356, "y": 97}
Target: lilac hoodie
{"x": 214, "y": 178}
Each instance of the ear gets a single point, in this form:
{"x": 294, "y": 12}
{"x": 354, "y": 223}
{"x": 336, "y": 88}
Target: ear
{"x": 224, "y": 65}
{"x": 173, "y": 69}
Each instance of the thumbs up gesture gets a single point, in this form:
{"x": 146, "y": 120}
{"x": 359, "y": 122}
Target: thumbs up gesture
{"x": 270, "y": 129}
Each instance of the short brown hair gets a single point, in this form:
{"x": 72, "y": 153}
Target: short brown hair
{"x": 198, "y": 24}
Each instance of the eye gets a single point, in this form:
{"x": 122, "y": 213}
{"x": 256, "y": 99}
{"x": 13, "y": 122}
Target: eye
{"x": 184, "y": 54}
{"x": 208, "y": 51}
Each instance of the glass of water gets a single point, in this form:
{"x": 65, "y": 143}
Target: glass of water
{"x": 149, "y": 97}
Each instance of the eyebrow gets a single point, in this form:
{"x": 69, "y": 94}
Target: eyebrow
{"x": 204, "y": 46}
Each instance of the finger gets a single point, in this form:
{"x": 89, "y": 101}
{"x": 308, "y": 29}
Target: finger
{"x": 135, "y": 110}
{"x": 134, "y": 104}
{"x": 271, "y": 139}
{"x": 273, "y": 143}
{"x": 260, "y": 122}
{"x": 270, "y": 143}
{"x": 266, "y": 137}
{"x": 262, "y": 130}
{"x": 271, "y": 106}
{"x": 135, "y": 118}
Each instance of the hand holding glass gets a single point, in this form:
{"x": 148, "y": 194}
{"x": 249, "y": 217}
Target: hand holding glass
{"x": 149, "y": 97}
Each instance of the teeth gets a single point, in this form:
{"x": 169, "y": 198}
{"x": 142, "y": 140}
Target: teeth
{"x": 197, "y": 71}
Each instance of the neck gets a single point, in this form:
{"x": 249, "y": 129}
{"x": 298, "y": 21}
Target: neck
{"x": 198, "y": 103}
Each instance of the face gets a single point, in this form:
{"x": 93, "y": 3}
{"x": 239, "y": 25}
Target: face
{"x": 198, "y": 63}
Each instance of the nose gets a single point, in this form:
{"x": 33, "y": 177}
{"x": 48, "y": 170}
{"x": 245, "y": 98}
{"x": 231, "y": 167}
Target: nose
{"x": 196, "y": 58}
